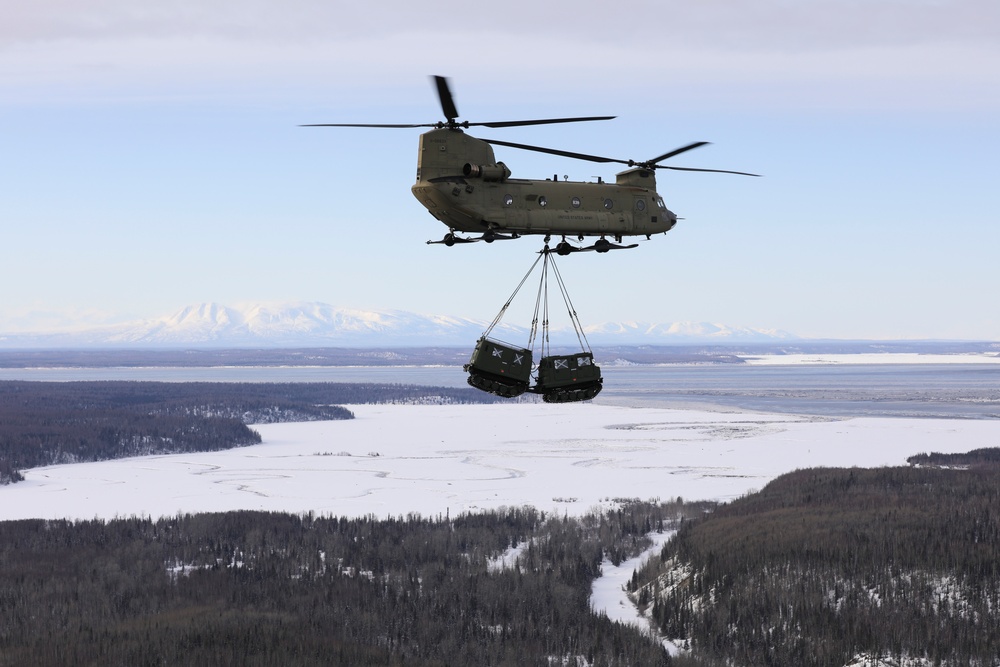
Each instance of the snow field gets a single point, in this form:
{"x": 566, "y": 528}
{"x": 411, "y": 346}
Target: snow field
{"x": 393, "y": 460}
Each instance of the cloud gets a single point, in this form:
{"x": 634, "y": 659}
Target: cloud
{"x": 800, "y": 25}
{"x": 893, "y": 54}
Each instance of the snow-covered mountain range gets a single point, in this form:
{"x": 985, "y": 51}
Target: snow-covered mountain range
{"x": 324, "y": 325}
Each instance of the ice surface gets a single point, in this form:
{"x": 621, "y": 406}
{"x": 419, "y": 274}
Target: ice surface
{"x": 398, "y": 459}
{"x": 877, "y": 358}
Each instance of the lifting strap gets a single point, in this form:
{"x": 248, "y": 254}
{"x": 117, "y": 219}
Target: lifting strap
{"x": 581, "y": 337}
{"x": 542, "y": 303}
{"x": 496, "y": 320}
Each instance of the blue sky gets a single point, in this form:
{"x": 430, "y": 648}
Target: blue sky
{"x": 152, "y": 157}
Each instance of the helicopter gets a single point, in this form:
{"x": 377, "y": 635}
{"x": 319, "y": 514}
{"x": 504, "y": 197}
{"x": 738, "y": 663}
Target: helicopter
{"x": 461, "y": 183}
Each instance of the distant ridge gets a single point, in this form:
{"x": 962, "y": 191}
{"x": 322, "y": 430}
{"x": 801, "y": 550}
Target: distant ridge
{"x": 313, "y": 324}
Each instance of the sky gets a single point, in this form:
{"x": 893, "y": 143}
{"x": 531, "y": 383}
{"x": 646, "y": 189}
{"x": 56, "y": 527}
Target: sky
{"x": 151, "y": 157}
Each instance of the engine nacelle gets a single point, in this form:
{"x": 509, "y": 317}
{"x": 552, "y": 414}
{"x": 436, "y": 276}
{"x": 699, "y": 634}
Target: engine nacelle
{"x": 487, "y": 172}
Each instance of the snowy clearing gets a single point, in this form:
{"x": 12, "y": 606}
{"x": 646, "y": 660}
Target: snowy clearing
{"x": 435, "y": 460}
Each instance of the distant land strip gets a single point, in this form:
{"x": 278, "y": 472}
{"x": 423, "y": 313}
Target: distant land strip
{"x": 453, "y": 356}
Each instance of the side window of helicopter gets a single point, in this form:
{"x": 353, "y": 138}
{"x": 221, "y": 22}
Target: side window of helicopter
{"x": 543, "y": 202}
{"x": 575, "y": 202}
{"x": 508, "y": 200}
{"x": 659, "y": 202}
{"x": 640, "y": 204}
{"x": 608, "y": 204}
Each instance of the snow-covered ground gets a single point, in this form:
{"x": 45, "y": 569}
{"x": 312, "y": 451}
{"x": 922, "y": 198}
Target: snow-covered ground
{"x": 607, "y": 593}
{"x": 432, "y": 460}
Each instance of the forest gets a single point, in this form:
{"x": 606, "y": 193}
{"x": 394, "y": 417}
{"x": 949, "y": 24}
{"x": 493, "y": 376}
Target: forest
{"x": 985, "y": 456}
{"x": 45, "y": 423}
{"x": 818, "y": 568}
{"x": 252, "y": 588}
{"x": 824, "y": 565}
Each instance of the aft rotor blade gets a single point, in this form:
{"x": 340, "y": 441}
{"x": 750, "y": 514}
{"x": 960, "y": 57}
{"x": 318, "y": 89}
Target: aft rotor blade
{"x": 447, "y": 101}
{"x": 543, "y": 121}
{"x": 631, "y": 163}
{"x": 556, "y": 151}
{"x": 717, "y": 171}
{"x": 678, "y": 151}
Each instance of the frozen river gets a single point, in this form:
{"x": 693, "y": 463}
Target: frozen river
{"x": 914, "y": 386}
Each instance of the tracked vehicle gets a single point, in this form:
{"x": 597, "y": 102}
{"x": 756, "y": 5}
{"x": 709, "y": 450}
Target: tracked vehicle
{"x": 506, "y": 370}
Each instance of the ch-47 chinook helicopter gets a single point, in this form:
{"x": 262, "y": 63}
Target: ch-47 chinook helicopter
{"x": 461, "y": 183}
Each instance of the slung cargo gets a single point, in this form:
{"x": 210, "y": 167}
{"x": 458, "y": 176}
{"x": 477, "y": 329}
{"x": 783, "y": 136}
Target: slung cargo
{"x": 499, "y": 368}
{"x": 569, "y": 377}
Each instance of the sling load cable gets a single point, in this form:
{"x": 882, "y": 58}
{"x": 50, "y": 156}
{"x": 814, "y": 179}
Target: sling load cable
{"x": 581, "y": 336}
{"x": 500, "y": 368}
{"x": 504, "y": 370}
{"x": 571, "y": 377}
{"x": 543, "y": 299}
{"x": 496, "y": 320}
{"x": 544, "y": 255}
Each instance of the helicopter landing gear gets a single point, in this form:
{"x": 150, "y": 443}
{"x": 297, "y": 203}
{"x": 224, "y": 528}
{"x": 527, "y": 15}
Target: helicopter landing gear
{"x": 602, "y": 245}
{"x": 451, "y": 239}
{"x": 489, "y": 236}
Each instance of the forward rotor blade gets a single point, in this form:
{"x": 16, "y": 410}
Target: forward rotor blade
{"x": 555, "y": 151}
{"x": 399, "y": 125}
{"x": 454, "y": 124}
{"x": 678, "y": 151}
{"x": 447, "y": 101}
{"x": 717, "y": 171}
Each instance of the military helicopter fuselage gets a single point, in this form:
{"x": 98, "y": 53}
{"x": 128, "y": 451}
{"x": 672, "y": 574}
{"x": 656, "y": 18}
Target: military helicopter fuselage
{"x": 461, "y": 183}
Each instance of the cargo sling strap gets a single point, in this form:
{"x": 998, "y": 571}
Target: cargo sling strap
{"x": 547, "y": 258}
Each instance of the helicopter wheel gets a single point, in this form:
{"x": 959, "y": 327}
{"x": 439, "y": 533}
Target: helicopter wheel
{"x": 602, "y": 245}
{"x": 563, "y": 248}
{"x": 449, "y": 239}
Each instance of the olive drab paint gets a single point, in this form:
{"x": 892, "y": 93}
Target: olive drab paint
{"x": 461, "y": 183}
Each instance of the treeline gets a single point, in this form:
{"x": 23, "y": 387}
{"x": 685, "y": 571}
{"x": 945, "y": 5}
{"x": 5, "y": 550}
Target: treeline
{"x": 43, "y": 423}
{"x": 235, "y": 357}
{"x": 825, "y": 565}
{"x": 976, "y": 457}
{"x": 251, "y": 588}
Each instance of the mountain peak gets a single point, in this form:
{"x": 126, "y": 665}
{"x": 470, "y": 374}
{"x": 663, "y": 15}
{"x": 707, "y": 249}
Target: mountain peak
{"x": 314, "y": 324}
